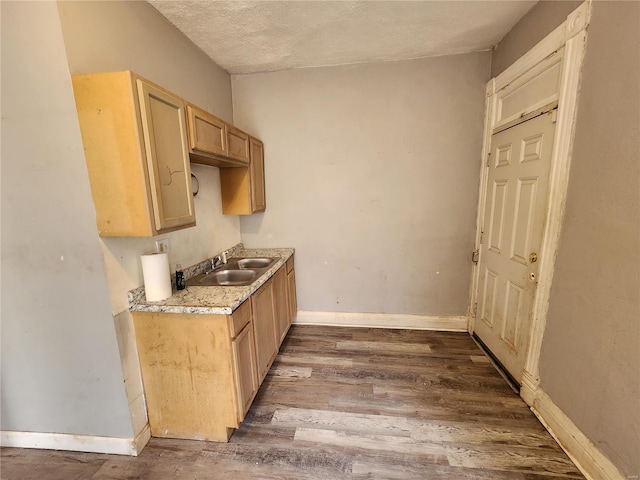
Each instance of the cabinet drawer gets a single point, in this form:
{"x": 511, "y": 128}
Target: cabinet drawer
{"x": 239, "y": 318}
{"x": 289, "y": 264}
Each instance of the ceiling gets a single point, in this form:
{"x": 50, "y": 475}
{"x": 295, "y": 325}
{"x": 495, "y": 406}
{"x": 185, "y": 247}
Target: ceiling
{"x": 260, "y": 36}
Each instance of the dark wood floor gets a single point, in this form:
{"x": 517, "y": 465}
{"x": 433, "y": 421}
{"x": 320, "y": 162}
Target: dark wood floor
{"x": 350, "y": 403}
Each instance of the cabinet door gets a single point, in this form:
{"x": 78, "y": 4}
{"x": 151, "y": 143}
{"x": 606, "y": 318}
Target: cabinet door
{"x": 292, "y": 297}
{"x": 187, "y": 370}
{"x": 264, "y": 326}
{"x": 280, "y": 292}
{"x": 134, "y": 138}
{"x": 238, "y": 144}
{"x": 243, "y": 191}
{"x": 207, "y": 133}
{"x": 244, "y": 358}
{"x": 256, "y": 166}
{"x": 165, "y": 141}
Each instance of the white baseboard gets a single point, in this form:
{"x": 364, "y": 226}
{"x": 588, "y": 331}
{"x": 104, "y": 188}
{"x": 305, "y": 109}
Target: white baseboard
{"x": 587, "y": 457}
{"x": 528, "y": 388}
{"x": 78, "y": 443}
{"x": 141, "y": 440}
{"x": 451, "y": 323}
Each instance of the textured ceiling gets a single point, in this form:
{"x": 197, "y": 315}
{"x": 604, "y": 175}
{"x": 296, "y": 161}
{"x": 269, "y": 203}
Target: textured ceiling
{"x": 259, "y": 36}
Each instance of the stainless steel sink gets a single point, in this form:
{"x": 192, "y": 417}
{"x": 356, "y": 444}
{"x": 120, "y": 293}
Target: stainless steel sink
{"x": 261, "y": 262}
{"x": 226, "y": 278}
{"x": 235, "y": 273}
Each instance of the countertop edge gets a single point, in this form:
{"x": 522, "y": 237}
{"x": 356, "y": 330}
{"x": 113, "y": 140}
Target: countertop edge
{"x": 213, "y": 300}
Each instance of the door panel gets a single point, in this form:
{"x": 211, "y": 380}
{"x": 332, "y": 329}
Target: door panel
{"x": 489, "y": 295}
{"x": 498, "y": 205}
{"x": 523, "y": 221}
{"x": 514, "y": 215}
{"x": 513, "y": 306}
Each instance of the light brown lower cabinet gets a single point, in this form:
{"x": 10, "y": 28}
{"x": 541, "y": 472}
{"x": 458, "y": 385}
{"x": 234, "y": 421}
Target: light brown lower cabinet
{"x": 202, "y": 372}
{"x": 189, "y": 376}
{"x": 283, "y": 318}
{"x": 292, "y": 298}
{"x": 244, "y": 358}
{"x": 264, "y": 323}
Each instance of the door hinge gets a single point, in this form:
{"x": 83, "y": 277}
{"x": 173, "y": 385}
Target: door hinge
{"x": 475, "y": 256}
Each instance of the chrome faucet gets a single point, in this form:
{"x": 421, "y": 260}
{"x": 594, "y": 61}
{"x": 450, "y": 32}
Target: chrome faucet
{"x": 219, "y": 260}
{"x": 214, "y": 262}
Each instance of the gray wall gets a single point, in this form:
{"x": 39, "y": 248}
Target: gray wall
{"x": 123, "y": 35}
{"x": 591, "y": 349}
{"x": 61, "y": 371}
{"x": 590, "y": 363}
{"x": 541, "y": 20}
{"x": 60, "y": 363}
{"x": 372, "y": 174}
{"x": 107, "y": 36}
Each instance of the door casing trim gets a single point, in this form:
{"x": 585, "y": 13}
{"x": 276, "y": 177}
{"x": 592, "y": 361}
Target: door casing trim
{"x": 571, "y": 35}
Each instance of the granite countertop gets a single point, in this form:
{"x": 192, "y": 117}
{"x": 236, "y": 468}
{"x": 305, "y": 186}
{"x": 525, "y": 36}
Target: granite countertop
{"x": 211, "y": 300}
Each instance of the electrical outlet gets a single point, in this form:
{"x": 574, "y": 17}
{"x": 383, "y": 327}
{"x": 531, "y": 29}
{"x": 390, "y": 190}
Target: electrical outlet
{"x": 162, "y": 246}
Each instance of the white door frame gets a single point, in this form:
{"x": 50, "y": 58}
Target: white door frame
{"x": 571, "y": 35}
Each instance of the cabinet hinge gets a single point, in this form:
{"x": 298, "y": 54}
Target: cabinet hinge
{"x": 489, "y": 159}
{"x": 475, "y": 309}
{"x": 475, "y": 256}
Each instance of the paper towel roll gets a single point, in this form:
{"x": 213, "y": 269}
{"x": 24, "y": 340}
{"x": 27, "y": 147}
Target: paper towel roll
{"x": 157, "y": 279}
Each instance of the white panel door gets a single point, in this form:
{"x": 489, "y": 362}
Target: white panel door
{"x": 514, "y": 217}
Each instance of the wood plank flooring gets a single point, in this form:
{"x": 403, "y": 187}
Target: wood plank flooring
{"x": 349, "y": 403}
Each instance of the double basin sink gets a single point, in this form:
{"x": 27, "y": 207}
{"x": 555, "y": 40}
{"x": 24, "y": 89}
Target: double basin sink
{"x": 237, "y": 272}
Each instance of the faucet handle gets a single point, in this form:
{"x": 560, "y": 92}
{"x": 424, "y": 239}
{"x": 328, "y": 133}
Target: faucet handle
{"x": 223, "y": 256}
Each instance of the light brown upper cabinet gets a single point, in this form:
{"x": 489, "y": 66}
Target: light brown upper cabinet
{"x": 135, "y": 141}
{"x": 243, "y": 191}
{"x": 207, "y": 136}
{"x": 213, "y": 141}
{"x": 256, "y": 166}
{"x": 238, "y": 144}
